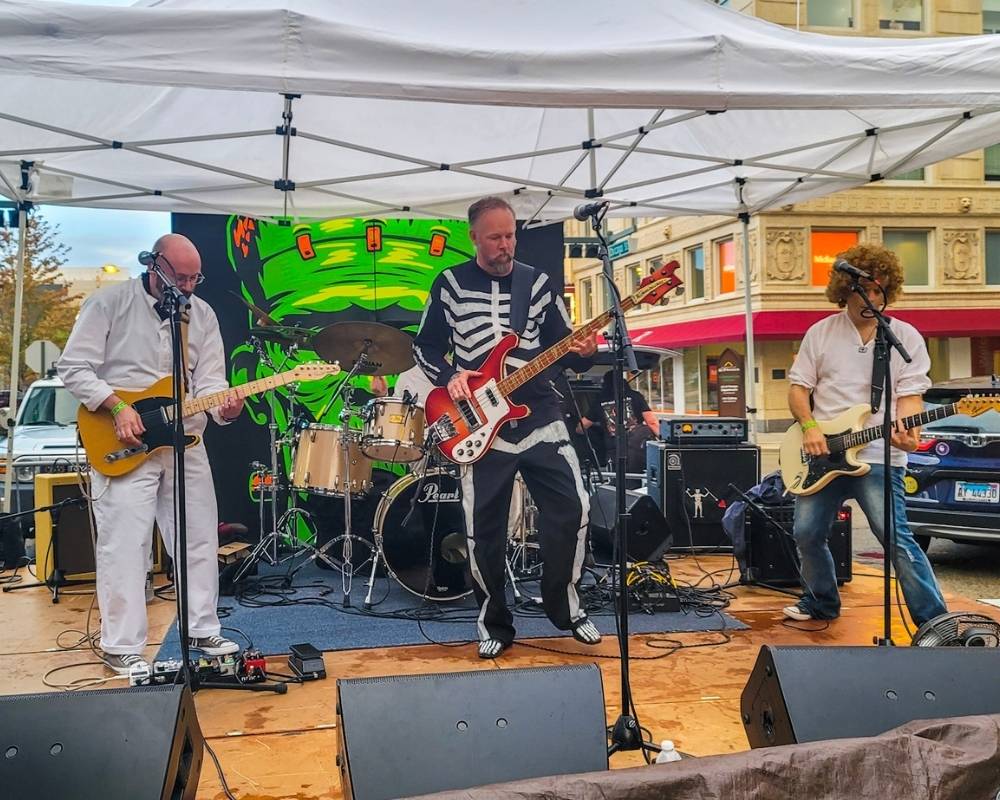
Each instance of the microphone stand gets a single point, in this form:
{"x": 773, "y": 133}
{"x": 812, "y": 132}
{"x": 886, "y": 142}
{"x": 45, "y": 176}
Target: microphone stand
{"x": 175, "y": 302}
{"x": 626, "y": 733}
{"x": 885, "y": 342}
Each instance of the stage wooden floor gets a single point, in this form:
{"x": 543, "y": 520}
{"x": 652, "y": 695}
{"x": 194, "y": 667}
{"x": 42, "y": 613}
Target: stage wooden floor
{"x": 273, "y": 746}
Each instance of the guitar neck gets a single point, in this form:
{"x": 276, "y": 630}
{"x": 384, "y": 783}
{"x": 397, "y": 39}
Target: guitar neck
{"x": 205, "y": 402}
{"x": 857, "y": 438}
{"x": 550, "y": 356}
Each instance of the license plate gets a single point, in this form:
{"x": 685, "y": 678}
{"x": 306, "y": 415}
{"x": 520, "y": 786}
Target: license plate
{"x": 977, "y": 492}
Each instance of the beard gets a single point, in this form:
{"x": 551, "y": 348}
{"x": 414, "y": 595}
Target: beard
{"x": 499, "y": 265}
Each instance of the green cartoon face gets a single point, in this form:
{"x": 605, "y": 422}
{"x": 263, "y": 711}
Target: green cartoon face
{"x": 342, "y": 270}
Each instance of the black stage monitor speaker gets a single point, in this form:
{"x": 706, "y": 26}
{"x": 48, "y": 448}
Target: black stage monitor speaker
{"x": 690, "y": 484}
{"x": 648, "y": 535}
{"x": 111, "y": 744}
{"x": 809, "y": 694}
{"x": 417, "y": 734}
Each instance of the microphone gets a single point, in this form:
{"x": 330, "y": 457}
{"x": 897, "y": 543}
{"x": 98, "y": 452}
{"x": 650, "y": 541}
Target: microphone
{"x": 849, "y": 269}
{"x": 586, "y": 210}
{"x": 146, "y": 257}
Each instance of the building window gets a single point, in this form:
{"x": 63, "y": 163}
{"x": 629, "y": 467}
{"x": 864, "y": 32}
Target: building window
{"x": 991, "y": 163}
{"x": 901, "y": 15}
{"x": 696, "y": 272}
{"x": 725, "y": 257}
{"x": 830, "y": 13}
{"x": 993, "y": 258}
{"x": 633, "y": 274}
{"x": 826, "y": 246}
{"x": 909, "y": 175}
{"x": 911, "y": 246}
{"x": 586, "y": 299}
{"x": 991, "y": 16}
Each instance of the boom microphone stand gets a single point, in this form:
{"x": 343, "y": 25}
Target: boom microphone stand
{"x": 626, "y": 733}
{"x": 882, "y": 390}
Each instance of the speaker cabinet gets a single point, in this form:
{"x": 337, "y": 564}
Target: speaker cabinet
{"x": 416, "y": 734}
{"x": 110, "y": 744}
{"x": 690, "y": 484}
{"x": 648, "y": 537}
{"x": 809, "y": 694}
{"x": 772, "y": 557}
{"x": 63, "y": 537}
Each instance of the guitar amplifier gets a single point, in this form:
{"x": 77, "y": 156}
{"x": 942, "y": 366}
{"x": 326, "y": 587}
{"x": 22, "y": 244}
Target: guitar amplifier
{"x": 690, "y": 484}
{"x": 63, "y": 538}
{"x": 771, "y": 556}
{"x": 704, "y": 430}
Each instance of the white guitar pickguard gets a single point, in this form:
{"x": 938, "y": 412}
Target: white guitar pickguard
{"x": 494, "y": 407}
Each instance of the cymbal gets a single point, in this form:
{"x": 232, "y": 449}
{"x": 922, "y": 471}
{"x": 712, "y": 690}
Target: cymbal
{"x": 287, "y": 335}
{"x": 389, "y": 350}
{"x": 261, "y": 317}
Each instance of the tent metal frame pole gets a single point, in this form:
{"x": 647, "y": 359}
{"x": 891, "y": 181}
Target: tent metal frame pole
{"x": 643, "y": 132}
{"x": 774, "y": 198}
{"x": 750, "y": 366}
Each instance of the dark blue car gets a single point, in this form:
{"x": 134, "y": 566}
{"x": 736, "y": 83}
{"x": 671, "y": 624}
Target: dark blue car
{"x": 953, "y": 479}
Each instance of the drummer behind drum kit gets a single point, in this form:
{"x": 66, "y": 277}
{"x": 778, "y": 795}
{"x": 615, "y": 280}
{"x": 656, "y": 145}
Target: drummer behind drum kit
{"x": 419, "y": 528}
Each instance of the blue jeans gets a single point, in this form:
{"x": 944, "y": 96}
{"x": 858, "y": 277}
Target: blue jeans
{"x": 814, "y": 515}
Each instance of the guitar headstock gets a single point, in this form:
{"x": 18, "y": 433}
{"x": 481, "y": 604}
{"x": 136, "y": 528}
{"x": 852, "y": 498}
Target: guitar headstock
{"x": 972, "y": 405}
{"x": 314, "y": 370}
{"x": 653, "y": 287}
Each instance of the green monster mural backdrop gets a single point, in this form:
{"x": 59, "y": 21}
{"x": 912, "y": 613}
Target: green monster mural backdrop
{"x": 310, "y": 276}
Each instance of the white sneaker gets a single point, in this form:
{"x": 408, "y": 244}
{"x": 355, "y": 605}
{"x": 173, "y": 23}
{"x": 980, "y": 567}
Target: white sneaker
{"x": 213, "y": 645}
{"x": 796, "y": 612}
{"x": 125, "y": 663}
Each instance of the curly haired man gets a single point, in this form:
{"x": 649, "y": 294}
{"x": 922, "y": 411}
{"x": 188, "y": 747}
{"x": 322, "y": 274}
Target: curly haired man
{"x": 833, "y": 372}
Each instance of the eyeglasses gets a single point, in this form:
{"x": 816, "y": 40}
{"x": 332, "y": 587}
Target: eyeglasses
{"x": 190, "y": 280}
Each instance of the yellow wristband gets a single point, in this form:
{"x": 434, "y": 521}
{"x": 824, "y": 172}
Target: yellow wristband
{"x": 118, "y": 407}
{"x": 809, "y": 424}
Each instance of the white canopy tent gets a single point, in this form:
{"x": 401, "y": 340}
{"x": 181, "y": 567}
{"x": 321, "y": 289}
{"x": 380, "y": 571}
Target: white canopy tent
{"x": 322, "y": 108}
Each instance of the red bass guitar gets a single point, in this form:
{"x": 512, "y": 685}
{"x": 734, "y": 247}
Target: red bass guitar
{"x": 465, "y": 430}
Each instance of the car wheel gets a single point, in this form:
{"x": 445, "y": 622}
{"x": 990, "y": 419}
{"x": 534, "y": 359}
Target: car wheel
{"x": 923, "y": 541}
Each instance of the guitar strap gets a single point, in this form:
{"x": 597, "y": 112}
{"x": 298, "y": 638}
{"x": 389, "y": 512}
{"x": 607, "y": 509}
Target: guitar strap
{"x": 185, "y": 319}
{"x": 521, "y": 281}
{"x": 878, "y": 376}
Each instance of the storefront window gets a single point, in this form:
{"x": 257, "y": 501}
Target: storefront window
{"x": 725, "y": 257}
{"x": 692, "y": 380}
{"x": 586, "y": 299}
{"x": 696, "y": 272}
{"x": 911, "y": 246}
{"x": 991, "y": 16}
{"x": 991, "y": 162}
{"x": 901, "y": 15}
{"x": 830, "y": 13}
{"x": 826, "y": 245}
{"x": 633, "y": 274}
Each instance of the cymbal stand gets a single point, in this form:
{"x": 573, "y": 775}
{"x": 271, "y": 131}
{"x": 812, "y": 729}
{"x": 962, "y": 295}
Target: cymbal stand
{"x": 281, "y": 528}
{"x": 525, "y": 525}
{"x": 346, "y": 567}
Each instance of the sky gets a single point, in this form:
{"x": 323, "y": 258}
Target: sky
{"x": 99, "y": 236}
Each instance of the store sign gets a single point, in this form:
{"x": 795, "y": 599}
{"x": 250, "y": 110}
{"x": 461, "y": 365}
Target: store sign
{"x": 732, "y": 389}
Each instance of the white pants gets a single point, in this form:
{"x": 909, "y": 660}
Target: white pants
{"x": 124, "y": 511}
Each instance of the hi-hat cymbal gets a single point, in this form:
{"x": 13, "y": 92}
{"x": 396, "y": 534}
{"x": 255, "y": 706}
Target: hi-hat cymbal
{"x": 287, "y": 335}
{"x": 389, "y": 350}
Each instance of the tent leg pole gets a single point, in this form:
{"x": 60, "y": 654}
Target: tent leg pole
{"x": 750, "y": 364}
{"x": 15, "y": 349}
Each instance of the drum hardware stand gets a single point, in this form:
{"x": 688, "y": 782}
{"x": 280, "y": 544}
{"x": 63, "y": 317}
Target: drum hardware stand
{"x": 346, "y": 567}
{"x": 267, "y": 548}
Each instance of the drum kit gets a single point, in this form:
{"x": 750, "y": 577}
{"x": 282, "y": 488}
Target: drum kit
{"x": 418, "y": 532}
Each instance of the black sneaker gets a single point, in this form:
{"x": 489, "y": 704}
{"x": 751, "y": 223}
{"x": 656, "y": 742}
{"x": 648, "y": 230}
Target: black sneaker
{"x": 213, "y": 645}
{"x": 124, "y": 663}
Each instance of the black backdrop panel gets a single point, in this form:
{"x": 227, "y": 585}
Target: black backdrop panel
{"x": 313, "y": 275}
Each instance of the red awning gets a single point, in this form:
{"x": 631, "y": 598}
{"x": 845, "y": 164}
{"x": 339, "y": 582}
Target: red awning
{"x": 793, "y": 324}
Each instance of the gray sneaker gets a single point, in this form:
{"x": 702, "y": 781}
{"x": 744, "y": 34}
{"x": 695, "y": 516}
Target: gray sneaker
{"x": 213, "y": 645}
{"x": 124, "y": 663}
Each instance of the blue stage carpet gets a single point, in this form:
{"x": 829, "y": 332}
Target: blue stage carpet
{"x": 311, "y": 611}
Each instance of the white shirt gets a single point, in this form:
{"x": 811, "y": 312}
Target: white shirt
{"x": 836, "y": 365}
{"x": 416, "y": 383}
{"x": 120, "y": 342}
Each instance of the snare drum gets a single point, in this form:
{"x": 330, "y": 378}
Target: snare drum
{"x": 394, "y": 430}
{"x": 322, "y": 458}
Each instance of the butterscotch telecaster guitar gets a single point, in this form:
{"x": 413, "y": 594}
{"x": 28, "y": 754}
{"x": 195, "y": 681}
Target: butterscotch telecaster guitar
{"x": 110, "y": 457}
{"x": 845, "y": 435}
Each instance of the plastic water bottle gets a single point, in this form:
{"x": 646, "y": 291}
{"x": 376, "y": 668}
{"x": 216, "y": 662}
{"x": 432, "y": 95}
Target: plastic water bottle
{"x": 667, "y": 752}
